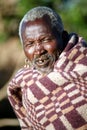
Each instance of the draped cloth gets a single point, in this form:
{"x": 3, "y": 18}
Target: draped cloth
{"x": 57, "y": 101}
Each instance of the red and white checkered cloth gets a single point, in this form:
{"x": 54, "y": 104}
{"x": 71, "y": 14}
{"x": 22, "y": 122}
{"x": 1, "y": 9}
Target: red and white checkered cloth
{"x": 57, "y": 101}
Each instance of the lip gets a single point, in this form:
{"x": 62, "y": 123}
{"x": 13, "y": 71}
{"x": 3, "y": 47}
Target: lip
{"x": 42, "y": 62}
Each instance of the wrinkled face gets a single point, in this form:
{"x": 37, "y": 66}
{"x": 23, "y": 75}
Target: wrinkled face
{"x": 40, "y": 44}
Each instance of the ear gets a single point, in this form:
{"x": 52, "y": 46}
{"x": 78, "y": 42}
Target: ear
{"x": 65, "y": 38}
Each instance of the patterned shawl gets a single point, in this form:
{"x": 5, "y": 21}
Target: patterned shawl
{"x": 57, "y": 101}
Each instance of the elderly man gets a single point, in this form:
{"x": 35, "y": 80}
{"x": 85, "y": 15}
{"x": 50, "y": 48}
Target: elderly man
{"x": 49, "y": 93}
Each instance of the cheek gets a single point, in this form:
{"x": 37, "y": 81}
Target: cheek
{"x": 29, "y": 52}
{"x": 51, "y": 47}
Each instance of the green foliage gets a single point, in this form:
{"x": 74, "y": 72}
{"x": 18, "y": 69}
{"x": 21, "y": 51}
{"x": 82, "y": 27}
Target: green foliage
{"x": 74, "y": 16}
{"x": 72, "y": 12}
{"x": 3, "y": 37}
{"x": 24, "y": 5}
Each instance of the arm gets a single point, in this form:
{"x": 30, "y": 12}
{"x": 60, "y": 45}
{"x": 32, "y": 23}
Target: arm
{"x": 15, "y": 99}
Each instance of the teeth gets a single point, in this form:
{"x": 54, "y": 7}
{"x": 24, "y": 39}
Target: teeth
{"x": 40, "y": 61}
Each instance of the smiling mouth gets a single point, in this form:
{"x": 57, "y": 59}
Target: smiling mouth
{"x": 43, "y": 61}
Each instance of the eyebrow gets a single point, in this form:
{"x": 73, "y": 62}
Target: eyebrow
{"x": 41, "y": 37}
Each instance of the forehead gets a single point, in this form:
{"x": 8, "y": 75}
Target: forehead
{"x": 44, "y": 21}
{"x": 37, "y": 27}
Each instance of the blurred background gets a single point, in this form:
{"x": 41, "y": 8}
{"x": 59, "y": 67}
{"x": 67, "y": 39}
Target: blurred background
{"x": 74, "y": 16}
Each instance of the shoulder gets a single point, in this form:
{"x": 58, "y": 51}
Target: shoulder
{"x": 23, "y": 71}
{"x": 19, "y": 75}
{"x": 83, "y": 42}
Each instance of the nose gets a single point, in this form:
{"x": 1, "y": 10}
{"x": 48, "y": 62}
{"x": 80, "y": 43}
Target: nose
{"x": 38, "y": 48}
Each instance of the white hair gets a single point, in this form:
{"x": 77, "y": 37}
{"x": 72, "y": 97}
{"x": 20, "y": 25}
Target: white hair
{"x": 39, "y": 12}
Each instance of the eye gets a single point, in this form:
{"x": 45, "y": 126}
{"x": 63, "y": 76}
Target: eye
{"x": 49, "y": 39}
{"x": 29, "y": 44}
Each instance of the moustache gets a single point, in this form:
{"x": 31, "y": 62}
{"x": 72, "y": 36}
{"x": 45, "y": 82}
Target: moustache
{"x": 42, "y": 57}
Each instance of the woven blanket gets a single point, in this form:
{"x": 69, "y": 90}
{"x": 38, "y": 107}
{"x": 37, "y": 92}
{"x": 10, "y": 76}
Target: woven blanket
{"x": 57, "y": 101}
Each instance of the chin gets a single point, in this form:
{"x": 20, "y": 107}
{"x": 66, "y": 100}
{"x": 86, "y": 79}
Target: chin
{"x": 44, "y": 71}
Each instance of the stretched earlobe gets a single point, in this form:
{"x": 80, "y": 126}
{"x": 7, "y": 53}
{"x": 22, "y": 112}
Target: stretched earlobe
{"x": 26, "y": 63}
